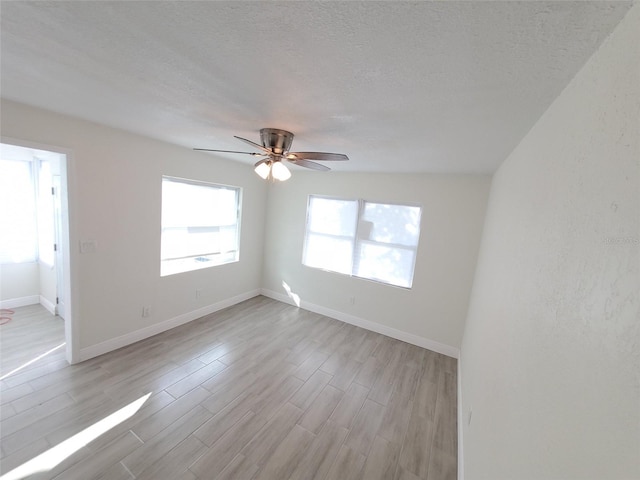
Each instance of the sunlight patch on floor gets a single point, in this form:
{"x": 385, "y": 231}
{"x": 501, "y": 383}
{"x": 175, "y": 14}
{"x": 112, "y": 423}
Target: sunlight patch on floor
{"x": 30, "y": 362}
{"x": 56, "y": 455}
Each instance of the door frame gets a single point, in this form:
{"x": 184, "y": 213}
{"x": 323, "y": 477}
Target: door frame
{"x": 68, "y": 287}
{"x": 58, "y": 255}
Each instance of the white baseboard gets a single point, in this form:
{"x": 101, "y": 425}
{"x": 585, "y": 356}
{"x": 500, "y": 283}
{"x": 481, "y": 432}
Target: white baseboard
{"x": 460, "y": 425}
{"x": 151, "y": 330}
{"x": 20, "y": 302}
{"x": 48, "y": 305}
{"x": 432, "y": 345}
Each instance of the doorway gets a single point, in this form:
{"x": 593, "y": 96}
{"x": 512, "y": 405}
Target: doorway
{"x": 34, "y": 248}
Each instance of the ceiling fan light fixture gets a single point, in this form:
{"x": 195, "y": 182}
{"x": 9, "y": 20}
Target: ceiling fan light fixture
{"x": 264, "y": 170}
{"x": 280, "y": 171}
{"x": 275, "y": 147}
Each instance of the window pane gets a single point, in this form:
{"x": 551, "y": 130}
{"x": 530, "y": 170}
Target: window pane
{"x": 189, "y": 242}
{"x": 328, "y": 253}
{"x": 332, "y": 216}
{"x": 383, "y": 247}
{"x": 398, "y": 224}
{"x": 385, "y": 264}
{"x": 207, "y": 205}
{"x": 199, "y": 225}
{"x": 18, "y": 241}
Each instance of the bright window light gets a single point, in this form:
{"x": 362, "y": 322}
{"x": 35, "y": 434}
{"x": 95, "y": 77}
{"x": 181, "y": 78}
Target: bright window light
{"x": 18, "y": 242}
{"x": 200, "y": 225}
{"x": 293, "y": 296}
{"x": 32, "y": 361}
{"x": 376, "y": 241}
{"x": 330, "y": 236}
{"x": 54, "y": 456}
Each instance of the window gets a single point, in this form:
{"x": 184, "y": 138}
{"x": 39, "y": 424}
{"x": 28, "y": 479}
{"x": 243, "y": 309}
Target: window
{"x": 376, "y": 241}
{"x": 200, "y": 225}
{"x": 18, "y": 242}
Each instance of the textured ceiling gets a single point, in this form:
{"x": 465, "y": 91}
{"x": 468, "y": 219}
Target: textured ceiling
{"x": 398, "y": 86}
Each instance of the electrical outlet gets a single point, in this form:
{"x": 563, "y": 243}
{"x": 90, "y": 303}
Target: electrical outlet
{"x": 352, "y": 300}
{"x": 146, "y": 311}
{"x": 469, "y": 416}
{"x": 198, "y": 293}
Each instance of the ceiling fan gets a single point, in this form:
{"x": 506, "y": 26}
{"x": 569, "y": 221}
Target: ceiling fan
{"x": 275, "y": 147}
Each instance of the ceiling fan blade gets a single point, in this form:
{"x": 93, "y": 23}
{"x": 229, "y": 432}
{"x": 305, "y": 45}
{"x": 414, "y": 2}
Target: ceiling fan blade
{"x": 316, "y": 156}
{"x": 227, "y": 151}
{"x": 254, "y": 144}
{"x": 308, "y": 164}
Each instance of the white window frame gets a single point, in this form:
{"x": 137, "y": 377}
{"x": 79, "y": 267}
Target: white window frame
{"x": 207, "y": 257}
{"x": 359, "y": 239}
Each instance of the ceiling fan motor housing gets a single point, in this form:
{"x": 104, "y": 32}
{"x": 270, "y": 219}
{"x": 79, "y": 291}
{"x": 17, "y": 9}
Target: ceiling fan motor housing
{"x": 276, "y": 140}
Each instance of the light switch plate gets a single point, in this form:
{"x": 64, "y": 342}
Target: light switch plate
{"x": 88, "y": 245}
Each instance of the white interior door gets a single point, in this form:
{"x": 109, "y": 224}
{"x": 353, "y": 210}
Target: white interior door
{"x": 59, "y": 264}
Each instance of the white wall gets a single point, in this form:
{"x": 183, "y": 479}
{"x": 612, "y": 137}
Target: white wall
{"x": 47, "y": 286}
{"x": 452, "y": 217}
{"x": 550, "y": 359}
{"x": 27, "y": 283}
{"x": 114, "y": 190}
{"x": 18, "y": 281}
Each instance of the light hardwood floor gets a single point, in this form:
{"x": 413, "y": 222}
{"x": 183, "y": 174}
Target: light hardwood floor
{"x": 31, "y": 332}
{"x": 261, "y": 390}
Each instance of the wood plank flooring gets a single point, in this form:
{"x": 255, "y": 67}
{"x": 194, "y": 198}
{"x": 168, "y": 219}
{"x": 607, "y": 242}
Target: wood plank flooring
{"x": 261, "y": 390}
{"x": 31, "y": 332}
